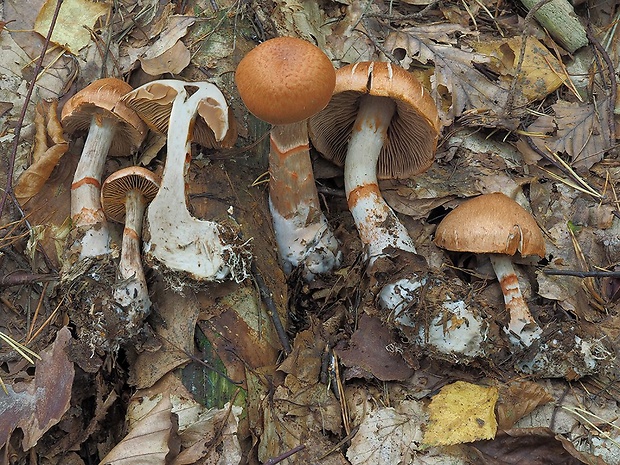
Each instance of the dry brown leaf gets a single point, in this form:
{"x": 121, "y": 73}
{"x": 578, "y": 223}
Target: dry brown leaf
{"x": 517, "y": 400}
{"x": 168, "y": 53}
{"x": 37, "y": 405}
{"x": 50, "y": 146}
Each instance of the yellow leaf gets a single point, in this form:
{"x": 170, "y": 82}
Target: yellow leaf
{"x": 462, "y": 412}
{"x": 76, "y": 17}
{"x": 540, "y": 73}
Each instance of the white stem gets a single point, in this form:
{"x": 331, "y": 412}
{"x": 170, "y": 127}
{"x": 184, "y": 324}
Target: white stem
{"x": 131, "y": 290}
{"x": 179, "y": 241}
{"x": 376, "y": 222}
{"x": 522, "y": 327}
{"x": 86, "y": 209}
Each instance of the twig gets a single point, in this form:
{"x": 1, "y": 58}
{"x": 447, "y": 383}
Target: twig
{"x": 612, "y": 90}
{"x": 267, "y": 296}
{"x": 20, "y": 278}
{"x": 284, "y": 456}
{"x": 584, "y": 274}
{"x": 22, "y": 116}
{"x": 390, "y": 17}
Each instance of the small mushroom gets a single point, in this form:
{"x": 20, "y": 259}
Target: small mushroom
{"x": 283, "y": 81}
{"x": 496, "y": 225}
{"x": 205, "y": 250}
{"x": 113, "y": 129}
{"x": 124, "y": 197}
{"x": 380, "y": 123}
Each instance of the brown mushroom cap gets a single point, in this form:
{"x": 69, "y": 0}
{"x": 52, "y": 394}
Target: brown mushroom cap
{"x": 413, "y": 132}
{"x": 153, "y": 103}
{"x": 285, "y": 80}
{"x": 490, "y": 223}
{"x": 114, "y": 190}
{"x": 102, "y": 97}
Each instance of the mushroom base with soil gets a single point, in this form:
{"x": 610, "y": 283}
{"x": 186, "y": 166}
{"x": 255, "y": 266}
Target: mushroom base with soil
{"x": 302, "y": 232}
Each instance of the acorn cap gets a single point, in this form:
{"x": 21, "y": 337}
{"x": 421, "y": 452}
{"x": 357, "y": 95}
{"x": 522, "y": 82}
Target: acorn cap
{"x": 285, "y": 80}
{"x": 103, "y": 97}
{"x": 115, "y": 187}
{"x": 413, "y": 132}
{"x": 153, "y": 102}
{"x": 490, "y": 223}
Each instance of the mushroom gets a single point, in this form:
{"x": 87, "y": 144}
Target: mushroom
{"x": 496, "y": 225}
{"x": 205, "y": 250}
{"x": 284, "y": 81}
{"x": 380, "y": 123}
{"x": 124, "y": 197}
{"x": 113, "y": 129}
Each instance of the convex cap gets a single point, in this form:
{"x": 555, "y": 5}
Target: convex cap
{"x": 414, "y": 129}
{"x": 115, "y": 188}
{"x": 285, "y": 80}
{"x": 102, "y": 98}
{"x": 490, "y": 223}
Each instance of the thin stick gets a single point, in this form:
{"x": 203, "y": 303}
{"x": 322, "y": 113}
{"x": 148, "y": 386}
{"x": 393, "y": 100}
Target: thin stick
{"x": 584, "y": 274}
{"x": 284, "y": 456}
{"x": 267, "y": 297}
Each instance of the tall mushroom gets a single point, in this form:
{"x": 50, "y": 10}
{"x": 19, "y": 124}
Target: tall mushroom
{"x": 204, "y": 250}
{"x": 496, "y": 225}
{"x": 283, "y": 81}
{"x": 380, "y": 123}
{"x": 124, "y": 197}
{"x": 113, "y": 129}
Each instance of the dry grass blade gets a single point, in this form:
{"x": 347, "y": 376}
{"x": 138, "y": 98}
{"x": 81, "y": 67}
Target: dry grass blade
{"x": 583, "y": 415}
{"x": 20, "y": 348}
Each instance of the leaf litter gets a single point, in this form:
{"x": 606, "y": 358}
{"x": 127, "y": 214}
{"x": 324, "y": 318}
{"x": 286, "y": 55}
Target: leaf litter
{"x": 516, "y": 119}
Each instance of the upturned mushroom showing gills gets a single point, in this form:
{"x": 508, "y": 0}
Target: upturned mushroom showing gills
{"x": 124, "y": 197}
{"x": 182, "y": 244}
{"x": 380, "y": 123}
{"x": 113, "y": 129}
{"x": 496, "y": 225}
{"x": 283, "y": 81}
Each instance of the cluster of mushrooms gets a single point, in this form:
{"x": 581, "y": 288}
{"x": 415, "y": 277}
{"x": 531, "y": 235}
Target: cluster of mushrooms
{"x": 373, "y": 118}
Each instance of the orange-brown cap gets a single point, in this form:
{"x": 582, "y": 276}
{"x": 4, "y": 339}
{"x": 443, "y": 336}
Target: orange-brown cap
{"x": 114, "y": 190}
{"x": 102, "y": 97}
{"x": 490, "y": 223}
{"x": 153, "y": 102}
{"x": 285, "y": 80}
{"x": 413, "y": 132}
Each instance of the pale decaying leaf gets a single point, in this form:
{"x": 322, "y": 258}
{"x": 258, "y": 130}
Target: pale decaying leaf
{"x": 75, "y": 18}
{"x": 389, "y": 435}
{"x": 147, "y": 442}
{"x": 462, "y": 412}
{"x": 39, "y": 404}
{"x": 205, "y": 435}
{"x": 50, "y": 145}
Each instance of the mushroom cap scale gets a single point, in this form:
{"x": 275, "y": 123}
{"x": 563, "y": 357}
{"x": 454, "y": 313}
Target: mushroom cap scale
{"x": 153, "y": 102}
{"x": 115, "y": 188}
{"x": 285, "y": 80}
{"x": 103, "y": 98}
{"x": 412, "y": 134}
{"x": 490, "y": 223}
